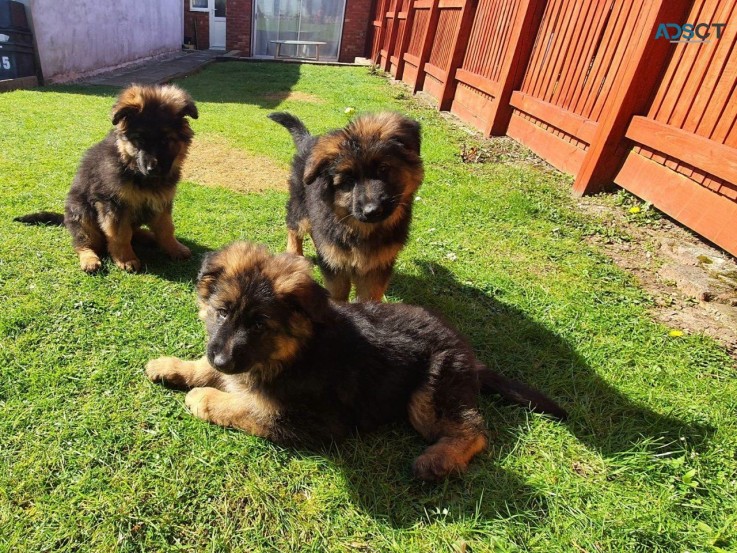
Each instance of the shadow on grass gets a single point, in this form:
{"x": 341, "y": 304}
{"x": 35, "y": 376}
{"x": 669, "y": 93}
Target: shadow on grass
{"x": 153, "y": 260}
{"x": 378, "y": 466}
{"x": 262, "y": 84}
{"x": 156, "y": 262}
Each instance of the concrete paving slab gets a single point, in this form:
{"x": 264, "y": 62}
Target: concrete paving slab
{"x": 156, "y": 71}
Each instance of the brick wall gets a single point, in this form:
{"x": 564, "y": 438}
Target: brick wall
{"x": 358, "y": 16}
{"x": 238, "y": 26}
{"x": 203, "y": 26}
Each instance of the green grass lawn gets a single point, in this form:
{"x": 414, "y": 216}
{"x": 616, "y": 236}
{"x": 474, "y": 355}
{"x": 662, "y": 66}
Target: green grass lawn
{"x": 95, "y": 457}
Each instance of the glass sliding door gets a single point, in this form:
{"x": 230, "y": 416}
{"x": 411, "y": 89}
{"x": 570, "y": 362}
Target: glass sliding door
{"x": 318, "y": 20}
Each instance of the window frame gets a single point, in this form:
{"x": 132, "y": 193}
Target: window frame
{"x": 196, "y": 9}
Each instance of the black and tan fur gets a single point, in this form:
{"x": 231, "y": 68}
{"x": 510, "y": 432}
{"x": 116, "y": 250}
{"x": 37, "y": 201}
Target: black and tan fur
{"x": 352, "y": 190}
{"x": 286, "y": 363}
{"x": 129, "y": 179}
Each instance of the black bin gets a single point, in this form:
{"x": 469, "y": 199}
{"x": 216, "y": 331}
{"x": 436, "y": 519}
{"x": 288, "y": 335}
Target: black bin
{"x": 13, "y": 16}
{"x": 16, "y": 42}
{"x": 16, "y": 61}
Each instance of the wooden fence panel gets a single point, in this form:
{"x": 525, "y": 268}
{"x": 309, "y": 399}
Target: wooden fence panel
{"x": 405, "y": 17}
{"x": 422, "y": 35}
{"x": 389, "y": 19}
{"x": 577, "y": 60}
{"x": 499, "y": 47}
{"x": 684, "y": 154}
{"x": 454, "y": 22}
{"x": 377, "y": 38}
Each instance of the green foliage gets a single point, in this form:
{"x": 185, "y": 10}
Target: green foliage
{"x": 94, "y": 457}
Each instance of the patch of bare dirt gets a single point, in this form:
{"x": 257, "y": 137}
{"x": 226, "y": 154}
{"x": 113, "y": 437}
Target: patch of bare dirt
{"x": 213, "y": 161}
{"x": 294, "y": 95}
{"x": 693, "y": 285}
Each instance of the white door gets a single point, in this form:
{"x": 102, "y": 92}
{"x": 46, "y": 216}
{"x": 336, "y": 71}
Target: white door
{"x": 217, "y": 24}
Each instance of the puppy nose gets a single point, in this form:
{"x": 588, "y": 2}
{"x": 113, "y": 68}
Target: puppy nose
{"x": 222, "y": 362}
{"x": 371, "y": 210}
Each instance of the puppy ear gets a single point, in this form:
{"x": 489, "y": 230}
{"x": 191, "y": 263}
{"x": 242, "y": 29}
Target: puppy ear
{"x": 130, "y": 102}
{"x": 326, "y": 149}
{"x": 314, "y": 166}
{"x": 408, "y": 134}
{"x": 189, "y": 110}
{"x": 123, "y": 112}
{"x": 314, "y": 301}
{"x": 207, "y": 277}
{"x": 291, "y": 276}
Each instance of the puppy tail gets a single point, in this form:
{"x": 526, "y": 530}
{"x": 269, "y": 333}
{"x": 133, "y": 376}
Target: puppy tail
{"x": 296, "y": 128}
{"x": 517, "y": 392}
{"x": 42, "y": 218}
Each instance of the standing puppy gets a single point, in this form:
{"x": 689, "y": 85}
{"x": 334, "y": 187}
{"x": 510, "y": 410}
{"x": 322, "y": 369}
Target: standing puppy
{"x": 287, "y": 364}
{"x": 129, "y": 179}
{"x": 352, "y": 190}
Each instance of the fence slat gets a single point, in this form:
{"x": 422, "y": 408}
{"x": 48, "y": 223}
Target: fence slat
{"x": 681, "y": 198}
{"x": 717, "y": 159}
{"x": 560, "y": 118}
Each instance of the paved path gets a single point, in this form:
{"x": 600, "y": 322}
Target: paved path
{"x": 157, "y": 71}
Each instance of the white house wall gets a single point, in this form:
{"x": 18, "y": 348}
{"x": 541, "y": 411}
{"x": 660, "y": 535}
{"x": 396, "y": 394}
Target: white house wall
{"x": 81, "y": 37}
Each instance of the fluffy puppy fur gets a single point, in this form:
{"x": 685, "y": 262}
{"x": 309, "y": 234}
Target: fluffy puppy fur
{"x": 286, "y": 363}
{"x": 129, "y": 179}
{"x": 352, "y": 190}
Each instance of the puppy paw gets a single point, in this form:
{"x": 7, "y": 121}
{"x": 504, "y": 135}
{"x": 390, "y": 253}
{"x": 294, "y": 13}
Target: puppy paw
{"x": 89, "y": 261}
{"x": 178, "y": 251}
{"x": 129, "y": 265}
{"x": 434, "y": 466}
{"x": 197, "y": 402}
{"x": 90, "y": 265}
{"x": 162, "y": 369}
{"x": 171, "y": 372}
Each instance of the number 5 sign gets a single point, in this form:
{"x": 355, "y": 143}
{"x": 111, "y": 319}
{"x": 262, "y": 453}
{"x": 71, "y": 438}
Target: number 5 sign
{"x": 5, "y": 62}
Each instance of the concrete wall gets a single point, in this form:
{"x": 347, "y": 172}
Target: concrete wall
{"x": 81, "y": 37}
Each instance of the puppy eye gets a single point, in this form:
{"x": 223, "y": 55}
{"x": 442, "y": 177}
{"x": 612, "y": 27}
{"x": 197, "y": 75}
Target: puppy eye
{"x": 221, "y": 314}
{"x": 384, "y": 170}
{"x": 346, "y": 181}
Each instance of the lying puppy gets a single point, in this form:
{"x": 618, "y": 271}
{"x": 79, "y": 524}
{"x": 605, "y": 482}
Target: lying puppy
{"x": 352, "y": 189}
{"x": 129, "y": 179}
{"x": 285, "y": 363}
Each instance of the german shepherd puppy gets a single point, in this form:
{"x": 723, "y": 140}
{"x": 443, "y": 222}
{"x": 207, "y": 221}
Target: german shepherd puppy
{"x": 286, "y": 363}
{"x": 129, "y": 179}
{"x": 352, "y": 190}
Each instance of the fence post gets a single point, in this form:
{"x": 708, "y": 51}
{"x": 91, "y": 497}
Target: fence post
{"x": 458, "y": 50}
{"x": 522, "y": 40}
{"x": 432, "y": 26}
{"x": 643, "y": 69}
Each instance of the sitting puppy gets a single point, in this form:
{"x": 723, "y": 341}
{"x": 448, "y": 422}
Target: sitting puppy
{"x": 285, "y": 363}
{"x": 129, "y": 179}
{"x": 352, "y": 189}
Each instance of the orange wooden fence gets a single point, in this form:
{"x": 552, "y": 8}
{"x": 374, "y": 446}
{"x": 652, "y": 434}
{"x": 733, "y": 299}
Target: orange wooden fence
{"x": 684, "y": 158}
{"x": 586, "y": 85}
